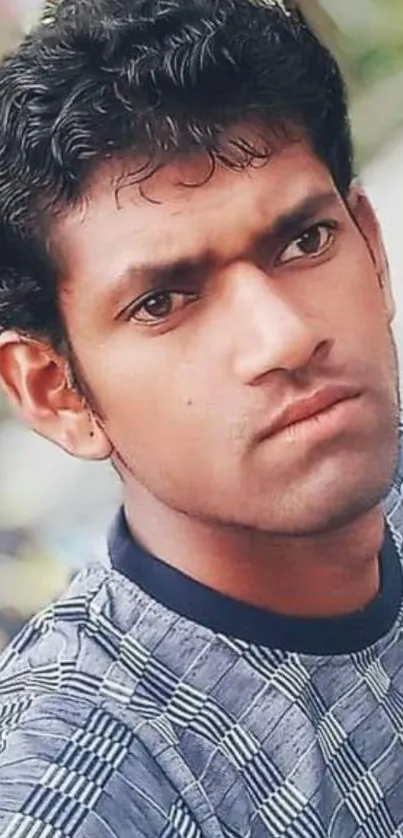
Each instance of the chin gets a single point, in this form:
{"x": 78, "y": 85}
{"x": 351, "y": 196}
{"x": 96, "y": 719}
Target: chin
{"x": 330, "y": 497}
{"x": 319, "y": 522}
{"x": 337, "y": 490}
{"x": 330, "y": 511}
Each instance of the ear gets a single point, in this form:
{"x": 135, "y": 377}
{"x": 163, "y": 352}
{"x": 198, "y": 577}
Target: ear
{"x": 36, "y": 381}
{"x": 365, "y": 218}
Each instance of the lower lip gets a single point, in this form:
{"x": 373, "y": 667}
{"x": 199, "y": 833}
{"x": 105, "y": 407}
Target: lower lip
{"x": 327, "y": 423}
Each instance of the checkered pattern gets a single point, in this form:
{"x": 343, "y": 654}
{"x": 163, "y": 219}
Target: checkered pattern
{"x": 72, "y": 784}
{"x": 118, "y": 718}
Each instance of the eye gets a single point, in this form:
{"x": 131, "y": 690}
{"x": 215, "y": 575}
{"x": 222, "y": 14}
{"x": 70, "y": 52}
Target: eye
{"x": 311, "y": 243}
{"x": 158, "y": 306}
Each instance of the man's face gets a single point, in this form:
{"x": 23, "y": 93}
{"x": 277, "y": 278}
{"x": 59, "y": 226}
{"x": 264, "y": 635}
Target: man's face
{"x": 203, "y": 317}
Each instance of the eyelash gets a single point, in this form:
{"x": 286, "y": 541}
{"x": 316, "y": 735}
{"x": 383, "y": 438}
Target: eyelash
{"x": 152, "y": 295}
{"x": 328, "y": 225}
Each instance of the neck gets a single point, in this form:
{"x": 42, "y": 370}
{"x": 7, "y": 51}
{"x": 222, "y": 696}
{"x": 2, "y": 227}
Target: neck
{"x": 330, "y": 574}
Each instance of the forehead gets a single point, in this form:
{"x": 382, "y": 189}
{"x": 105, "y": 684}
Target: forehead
{"x": 181, "y": 212}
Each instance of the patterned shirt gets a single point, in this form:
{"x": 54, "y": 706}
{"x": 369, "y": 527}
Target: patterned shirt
{"x": 143, "y": 705}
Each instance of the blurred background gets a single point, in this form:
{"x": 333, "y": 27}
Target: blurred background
{"x": 54, "y": 512}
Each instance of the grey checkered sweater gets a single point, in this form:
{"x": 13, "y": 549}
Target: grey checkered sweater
{"x": 144, "y": 706}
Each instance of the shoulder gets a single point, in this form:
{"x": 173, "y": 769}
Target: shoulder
{"x": 70, "y": 644}
{"x": 69, "y": 767}
{"x": 50, "y": 641}
{"x": 75, "y": 759}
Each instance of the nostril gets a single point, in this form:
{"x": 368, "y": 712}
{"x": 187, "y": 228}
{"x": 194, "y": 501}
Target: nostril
{"x": 322, "y": 349}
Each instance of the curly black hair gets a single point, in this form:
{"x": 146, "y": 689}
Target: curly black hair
{"x": 146, "y": 80}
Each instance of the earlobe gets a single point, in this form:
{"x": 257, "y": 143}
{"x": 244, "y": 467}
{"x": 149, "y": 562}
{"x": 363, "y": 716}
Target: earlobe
{"x": 366, "y": 220}
{"x": 85, "y": 438}
{"x": 37, "y": 383}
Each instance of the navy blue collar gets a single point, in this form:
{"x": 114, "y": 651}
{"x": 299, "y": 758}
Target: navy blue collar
{"x": 223, "y": 615}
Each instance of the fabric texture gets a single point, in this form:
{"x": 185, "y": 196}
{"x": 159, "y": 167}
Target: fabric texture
{"x": 123, "y": 718}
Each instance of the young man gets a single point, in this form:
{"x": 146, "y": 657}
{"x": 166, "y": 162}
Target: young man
{"x": 193, "y": 286}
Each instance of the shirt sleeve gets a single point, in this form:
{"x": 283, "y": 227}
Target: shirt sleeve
{"x": 69, "y": 769}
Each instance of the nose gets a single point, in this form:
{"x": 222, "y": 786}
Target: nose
{"x": 271, "y": 329}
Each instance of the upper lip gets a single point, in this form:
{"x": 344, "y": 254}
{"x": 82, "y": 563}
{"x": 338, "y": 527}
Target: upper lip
{"x": 309, "y": 406}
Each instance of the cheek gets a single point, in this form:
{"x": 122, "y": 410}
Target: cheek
{"x": 166, "y": 413}
{"x": 364, "y": 335}
{"x": 356, "y": 303}
{"x": 147, "y": 393}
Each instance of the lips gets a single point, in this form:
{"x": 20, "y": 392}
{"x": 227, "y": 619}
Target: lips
{"x": 309, "y": 407}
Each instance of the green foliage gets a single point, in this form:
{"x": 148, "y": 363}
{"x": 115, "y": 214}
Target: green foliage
{"x": 376, "y": 47}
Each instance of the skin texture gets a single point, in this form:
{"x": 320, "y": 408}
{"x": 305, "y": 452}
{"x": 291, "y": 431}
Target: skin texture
{"x": 184, "y": 389}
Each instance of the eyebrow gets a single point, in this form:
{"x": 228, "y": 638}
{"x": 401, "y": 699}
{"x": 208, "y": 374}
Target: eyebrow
{"x": 290, "y": 222}
{"x": 159, "y": 275}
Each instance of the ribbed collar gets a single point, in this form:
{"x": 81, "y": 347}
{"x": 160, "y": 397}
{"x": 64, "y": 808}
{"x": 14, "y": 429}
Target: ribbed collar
{"x": 223, "y": 615}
